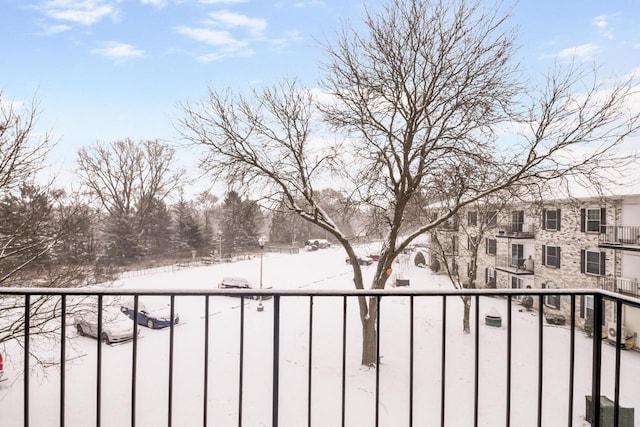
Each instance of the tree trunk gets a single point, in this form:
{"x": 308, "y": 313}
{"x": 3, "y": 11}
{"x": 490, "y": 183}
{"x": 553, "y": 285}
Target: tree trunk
{"x": 369, "y": 336}
{"x": 465, "y": 320}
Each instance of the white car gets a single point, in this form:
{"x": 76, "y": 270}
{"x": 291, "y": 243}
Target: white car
{"x": 116, "y": 327}
{"x": 231, "y": 282}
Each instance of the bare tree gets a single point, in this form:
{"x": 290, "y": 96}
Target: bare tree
{"x": 21, "y": 151}
{"x": 469, "y": 228}
{"x": 424, "y": 95}
{"x": 128, "y": 178}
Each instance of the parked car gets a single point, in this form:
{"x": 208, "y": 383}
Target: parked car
{"x": 116, "y": 327}
{"x": 318, "y": 243}
{"x": 2, "y": 378}
{"x": 362, "y": 260}
{"x": 374, "y": 256}
{"x": 153, "y": 317}
{"x": 230, "y": 282}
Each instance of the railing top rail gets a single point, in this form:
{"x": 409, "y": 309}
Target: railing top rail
{"x": 313, "y": 292}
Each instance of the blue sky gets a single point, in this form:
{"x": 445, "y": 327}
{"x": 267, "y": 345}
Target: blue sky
{"x": 104, "y": 70}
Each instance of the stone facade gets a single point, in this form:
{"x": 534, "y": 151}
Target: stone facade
{"x": 550, "y": 245}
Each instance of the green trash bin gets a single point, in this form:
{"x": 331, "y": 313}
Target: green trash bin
{"x": 625, "y": 415}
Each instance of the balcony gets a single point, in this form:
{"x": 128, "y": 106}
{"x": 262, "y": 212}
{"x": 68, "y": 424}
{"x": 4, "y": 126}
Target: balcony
{"x": 619, "y": 237}
{"x": 516, "y": 230}
{"x": 517, "y": 266}
{"x": 623, "y": 285}
{"x": 297, "y": 363}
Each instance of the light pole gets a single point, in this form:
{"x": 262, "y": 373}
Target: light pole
{"x": 219, "y": 246}
{"x": 261, "y": 242}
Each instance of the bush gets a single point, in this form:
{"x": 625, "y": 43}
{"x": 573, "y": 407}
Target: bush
{"x": 555, "y": 319}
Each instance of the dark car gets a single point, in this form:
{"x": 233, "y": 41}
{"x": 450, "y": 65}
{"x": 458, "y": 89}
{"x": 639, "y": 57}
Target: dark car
{"x": 362, "y": 260}
{"x": 231, "y": 282}
{"x": 151, "y": 317}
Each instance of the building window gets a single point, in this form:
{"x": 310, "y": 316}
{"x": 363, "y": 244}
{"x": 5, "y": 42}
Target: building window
{"x": 472, "y": 242}
{"x": 492, "y": 246}
{"x": 588, "y": 307}
{"x": 472, "y": 218}
{"x": 551, "y": 256}
{"x": 592, "y": 262}
{"x": 490, "y": 277}
{"x": 593, "y": 220}
{"x": 517, "y": 255}
{"x": 516, "y": 282}
{"x": 492, "y": 218}
{"x": 551, "y": 219}
{"x": 517, "y": 221}
{"x": 551, "y": 300}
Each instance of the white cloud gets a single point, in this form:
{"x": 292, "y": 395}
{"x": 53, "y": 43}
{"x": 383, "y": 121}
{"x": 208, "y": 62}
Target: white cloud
{"x": 113, "y": 49}
{"x": 583, "y": 52}
{"x": 55, "y": 29}
{"x": 601, "y": 22}
{"x": 223, "y": 1}
{"x": 155, "y": 3}
{"x": 85, "y": 12}
{"x": 205, "y": 35}
{"x": 234, "y": 20}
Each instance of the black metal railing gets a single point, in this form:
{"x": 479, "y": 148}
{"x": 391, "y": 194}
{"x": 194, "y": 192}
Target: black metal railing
{"x": 619, "y": 236}
{"x": 516, "y": 230}
{"x": 623, "y": 285}
{"x": 515, "y": 265}
{"x": 600, "y": 298}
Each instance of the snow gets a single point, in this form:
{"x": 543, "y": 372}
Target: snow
{"x": 323, "y": 269}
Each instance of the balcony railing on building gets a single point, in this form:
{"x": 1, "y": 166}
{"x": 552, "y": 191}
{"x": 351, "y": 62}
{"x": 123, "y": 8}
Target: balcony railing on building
{"x": 515, "y": 265}
{"x": 623, "y": 285}
{"x": 605, "y": 383}
{"x": 619, "y": 237}
{"x": 516, "y": 230}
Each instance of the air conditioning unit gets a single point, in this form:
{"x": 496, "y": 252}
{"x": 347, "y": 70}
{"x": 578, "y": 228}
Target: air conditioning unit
{"x": 626, "y": 337}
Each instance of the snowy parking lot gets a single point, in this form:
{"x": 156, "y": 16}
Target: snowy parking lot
{"x": 323, "y": 269}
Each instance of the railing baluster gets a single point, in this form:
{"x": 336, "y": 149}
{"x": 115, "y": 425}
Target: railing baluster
{"x": 344, "y": 358}
{"x": 241, "y": 365}
{"x": 205, "y": 392}
{"x": 377, "y": 418}
{"x": 572, "y": 358}
{"x": 411, "y": 327}
{"x": 134, "y": 361}
{"x": 443, "y": 361}
{"x": 99, "y": 363}
{"x": 63, "y": 355}
{"x": 476, "y": 365}
{"x": 170, "y": 392}
{"x": 540, "y": 356}
{"x": 616, "y": 407}
{"x": 276, "y": 359}
{"x": 27, "y": 327}
{"x": 596, "y": 360}
{"x": 509, "y": 342}
{"x": 310, "y": 361}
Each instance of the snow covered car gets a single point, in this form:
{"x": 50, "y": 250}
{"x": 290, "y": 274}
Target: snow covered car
{"x": 362, "y": 260}
{"x": 151, "y": 316}
{"x": 231, "y": 282}
{"x": 116, "y": 327}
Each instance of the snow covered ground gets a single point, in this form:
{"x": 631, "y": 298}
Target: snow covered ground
{"x": 324, "y": 269}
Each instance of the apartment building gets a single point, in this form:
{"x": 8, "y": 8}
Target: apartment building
{"x": 558, "y": 244}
